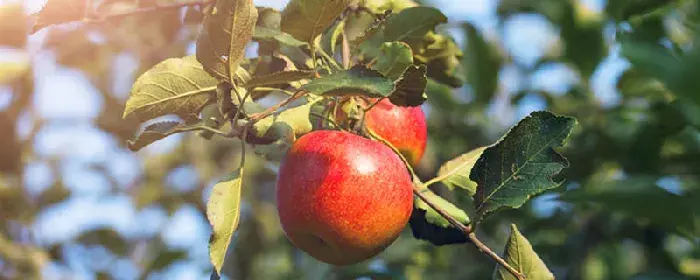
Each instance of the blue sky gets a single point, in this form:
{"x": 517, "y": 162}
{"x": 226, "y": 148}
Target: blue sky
{"x": 68, "y": 103}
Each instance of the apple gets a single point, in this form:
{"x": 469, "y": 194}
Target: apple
{"x": 342, "y": 198}
{"x": 404, "y": 127}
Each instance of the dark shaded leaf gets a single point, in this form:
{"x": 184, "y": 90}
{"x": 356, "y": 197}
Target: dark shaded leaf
{"x": 166, "y": 258}
{"x": 641, "y": 199}
{"x": 482, "y": 62}
{"x": 410, "y": 88}
{"x": 522, "y": 163}
{"x": 435, "y": 234}
{"x": 357, "y": 80}
{"x": 160, "y": 130}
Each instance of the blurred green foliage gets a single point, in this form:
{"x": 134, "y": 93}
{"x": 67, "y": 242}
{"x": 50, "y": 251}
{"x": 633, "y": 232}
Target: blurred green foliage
{"x": 614, "y": 220}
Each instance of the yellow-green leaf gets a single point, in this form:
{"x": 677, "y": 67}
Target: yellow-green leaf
{"x": 306, "y": 19}
{"x": 520, "y": 255}
{"x": 175, "y": 86}
{"x": 223, "y": 213}
{"x": 11, "y": 70}
{"x": 455, "y": 173}
{"x": 434, "y": 217}
{"x": 291, "y": 121}
{"x": 227, "y": 29}
{"x": 394, "y": 59}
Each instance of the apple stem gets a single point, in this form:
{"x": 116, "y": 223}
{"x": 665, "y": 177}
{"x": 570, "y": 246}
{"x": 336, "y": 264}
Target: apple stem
{"x": 468, "y": 231}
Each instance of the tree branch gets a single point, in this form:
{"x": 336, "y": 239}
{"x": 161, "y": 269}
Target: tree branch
{"x": 468, "y": 231}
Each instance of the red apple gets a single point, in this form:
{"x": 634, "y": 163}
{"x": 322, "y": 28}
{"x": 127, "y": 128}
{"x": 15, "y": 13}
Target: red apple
{"x": 342, "y": 198}
{"x": 404, "y": 127}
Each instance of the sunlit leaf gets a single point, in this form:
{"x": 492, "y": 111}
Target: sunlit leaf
{"x": 410, "y": 88}
{"x": 272, "y": 35}
{"x": 226, "y": 31}
{"x": 288, "y": 123}
{"x": 330, "y": 38}
{"x": 306, "y": 19}
{"x": 60, "y": 11}
{"x": 520, "y": 255}
{"x": 175, "y": 86}
{"x": 223, "y": 213}
{"x": 357, "y": 80}
{"x": 522, "y": 163}
{"x": 433, "y": 217}
{"x": 455, "y": 173}
{"x": 281, "y": 77}
{"x": 394, "y": 59}
{"x": 411, "y": 24}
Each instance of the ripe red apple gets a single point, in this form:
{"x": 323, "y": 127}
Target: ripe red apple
{"x": 404, "y": 127}
{"x": 342, "y": 198}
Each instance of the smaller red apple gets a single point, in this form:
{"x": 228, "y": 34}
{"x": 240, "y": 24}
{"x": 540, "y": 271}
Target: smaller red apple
{"x": 404, "y": 127}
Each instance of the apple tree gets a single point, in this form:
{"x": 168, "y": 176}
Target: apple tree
{"x": 337, "y": 123}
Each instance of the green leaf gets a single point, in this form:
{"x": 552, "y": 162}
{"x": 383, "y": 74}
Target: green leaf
{"x": 482, "y": 63}
{"x": 410, "y": 89}
{"x": 268, "y": 18}
{"x": 59, "y": 11}
{"x": 455, "y": 173}
{"x": 160, "y": 130}
{"x": 651, "y": 59}
{"x": 634, "y": 83}
{"x": 522, "y": 163}
{"x": 281, "y": 77}
{"x": 433, "y": 217}
{"x": 174, "y": 86}
{"x": 290, "y": 122}
{"x": 14, "y": 25}
{"x": 357, "y": 80}
{"x": 109, "y": 238}
{"x": 272, "y": 35}
{"x": 330, "y": 38}
{"x": 641, "y": 199}
{"x": 411, "y": 24}
{"x": 394, "y": 59}
{"x": 306, "y": 19}
{"x": 520, "y": 255}
{"x": 166, "y": 258}
{"x": 12, "y": 70}
{"x": 223, "y": 213}
{"x": 226, "y": 31}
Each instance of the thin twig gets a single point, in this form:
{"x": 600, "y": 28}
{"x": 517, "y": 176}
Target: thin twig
{"x": 465, "y": 229}
{"x": 273, "y": 109}
{"x": 468, "y": 231}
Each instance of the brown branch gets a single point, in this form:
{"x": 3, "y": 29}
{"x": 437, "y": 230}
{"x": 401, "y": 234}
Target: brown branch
{"x": 468, "y": 231}
{"x": 93, "y": 17}
{"x": 273, "y": 109}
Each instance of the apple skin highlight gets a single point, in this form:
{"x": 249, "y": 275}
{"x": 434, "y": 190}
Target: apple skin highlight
{"x": 403, "y": 127}
{"x": 342, "y": 198}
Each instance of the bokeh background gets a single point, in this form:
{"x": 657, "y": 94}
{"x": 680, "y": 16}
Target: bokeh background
{"x": 75, "y": 203}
